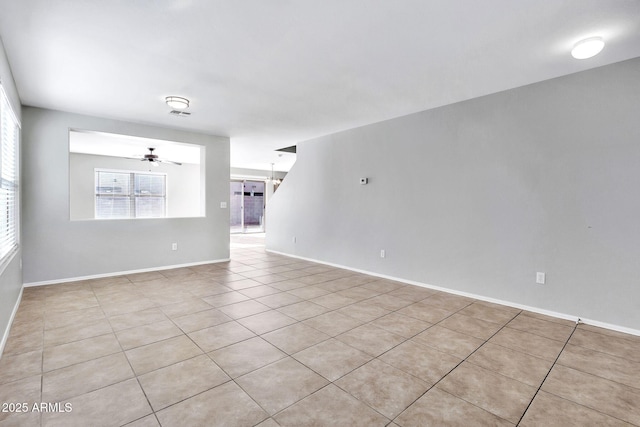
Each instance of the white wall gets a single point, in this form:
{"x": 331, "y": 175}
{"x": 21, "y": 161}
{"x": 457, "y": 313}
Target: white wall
{"x": 540, "y": 178}
{"x": 11, "y": 272}
{"x": 183, "y": 184}
{"x": 56, "y": 248}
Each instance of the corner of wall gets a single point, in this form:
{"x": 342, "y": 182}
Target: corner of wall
{"x": 7, "y": 329}
{"x": 11, "y": 275}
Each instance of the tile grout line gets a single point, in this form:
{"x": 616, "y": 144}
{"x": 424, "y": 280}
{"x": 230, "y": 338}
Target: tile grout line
{"x": 405, "y": 340}
{"x": 73, "y": 364}
{"x": 232, "y": 379}
{"x": 298, "y": 361}
{"x": 153, "y": 411}
{"x": 604, "y": 352}
{"x": 334, "y": 310}
{"x": 578, "y": 323}
{"x": 460, "y": 363}
{"x": 575, "y": 327}
{"x": 135, "y": 375}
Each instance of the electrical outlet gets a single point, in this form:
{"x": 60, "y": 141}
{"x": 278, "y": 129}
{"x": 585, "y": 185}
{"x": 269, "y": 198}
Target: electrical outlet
{"x": 223, "y": 205}
{"x": 174, "y": 246}
{"x": 294, "y": 239}
{"x": 540, "y": 278}
{"x": 382, "y": 253}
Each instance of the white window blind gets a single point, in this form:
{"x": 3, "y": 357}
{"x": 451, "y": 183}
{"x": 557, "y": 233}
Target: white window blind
{"x": 9, "y": 135}
{"x": 123, "y": 194}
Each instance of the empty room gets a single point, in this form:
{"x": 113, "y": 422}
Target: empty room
{"x": 319, "y": 213}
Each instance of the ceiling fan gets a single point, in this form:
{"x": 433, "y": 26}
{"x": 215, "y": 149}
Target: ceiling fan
{"x": 153, "y": 158}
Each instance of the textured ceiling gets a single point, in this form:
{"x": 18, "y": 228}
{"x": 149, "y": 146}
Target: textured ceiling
{"x": 271, "y": 73}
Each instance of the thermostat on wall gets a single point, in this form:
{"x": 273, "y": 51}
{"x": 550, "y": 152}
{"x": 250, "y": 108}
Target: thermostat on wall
{"x": 364, "y": 181}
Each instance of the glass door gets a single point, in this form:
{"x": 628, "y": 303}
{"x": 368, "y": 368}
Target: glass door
{"x": 235, "y": 206}
{"x": 247, "y": 206}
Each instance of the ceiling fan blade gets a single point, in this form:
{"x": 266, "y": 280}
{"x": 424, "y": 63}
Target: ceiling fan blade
{"x": 169, "y": 161}
{"x": 153, "y": 158}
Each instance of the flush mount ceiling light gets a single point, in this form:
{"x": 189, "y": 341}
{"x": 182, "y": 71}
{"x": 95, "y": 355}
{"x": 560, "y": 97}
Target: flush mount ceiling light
{"x": 587, "y": 48}
{"x": 177, "y": 102}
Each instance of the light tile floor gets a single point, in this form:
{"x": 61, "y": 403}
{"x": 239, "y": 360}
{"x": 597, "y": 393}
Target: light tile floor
{"x": 269, "y": 340}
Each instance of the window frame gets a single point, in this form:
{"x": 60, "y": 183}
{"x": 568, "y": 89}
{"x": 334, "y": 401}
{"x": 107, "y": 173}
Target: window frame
{"x": 12, "y": 182}
{"x": 131, "y": 195}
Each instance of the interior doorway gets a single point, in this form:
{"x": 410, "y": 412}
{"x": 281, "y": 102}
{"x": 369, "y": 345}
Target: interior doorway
{"x": 247, "y": 206}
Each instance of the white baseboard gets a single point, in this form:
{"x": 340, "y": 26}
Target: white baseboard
{"x": 610, "y": 326}
{"x": 121, "y": 273}
{"x": 5, "y": 335}
{"x": 475, "y": 296}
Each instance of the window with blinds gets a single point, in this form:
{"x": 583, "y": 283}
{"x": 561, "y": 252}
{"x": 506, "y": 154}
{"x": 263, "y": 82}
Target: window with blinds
{"x": 123, "y": 194}
{"x": 9, "y": 135}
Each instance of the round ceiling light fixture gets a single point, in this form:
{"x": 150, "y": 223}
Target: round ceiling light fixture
{"x": 177, "y": 102}
{"x": 587, "y": 48}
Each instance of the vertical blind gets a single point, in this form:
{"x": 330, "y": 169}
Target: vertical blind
{"x": 122, "y": 194}
{"x": 9, "y": 135}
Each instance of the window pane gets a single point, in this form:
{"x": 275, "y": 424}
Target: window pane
{"x": 150, "y": 207}
{"x": 149, "y": 185}
{"x": 9, "y": 136}
{"x": 113, "y": 183}
{"x": 113, "y": 207}
{"x": 130, "y": 195}
{"x": 7, "y": 219}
